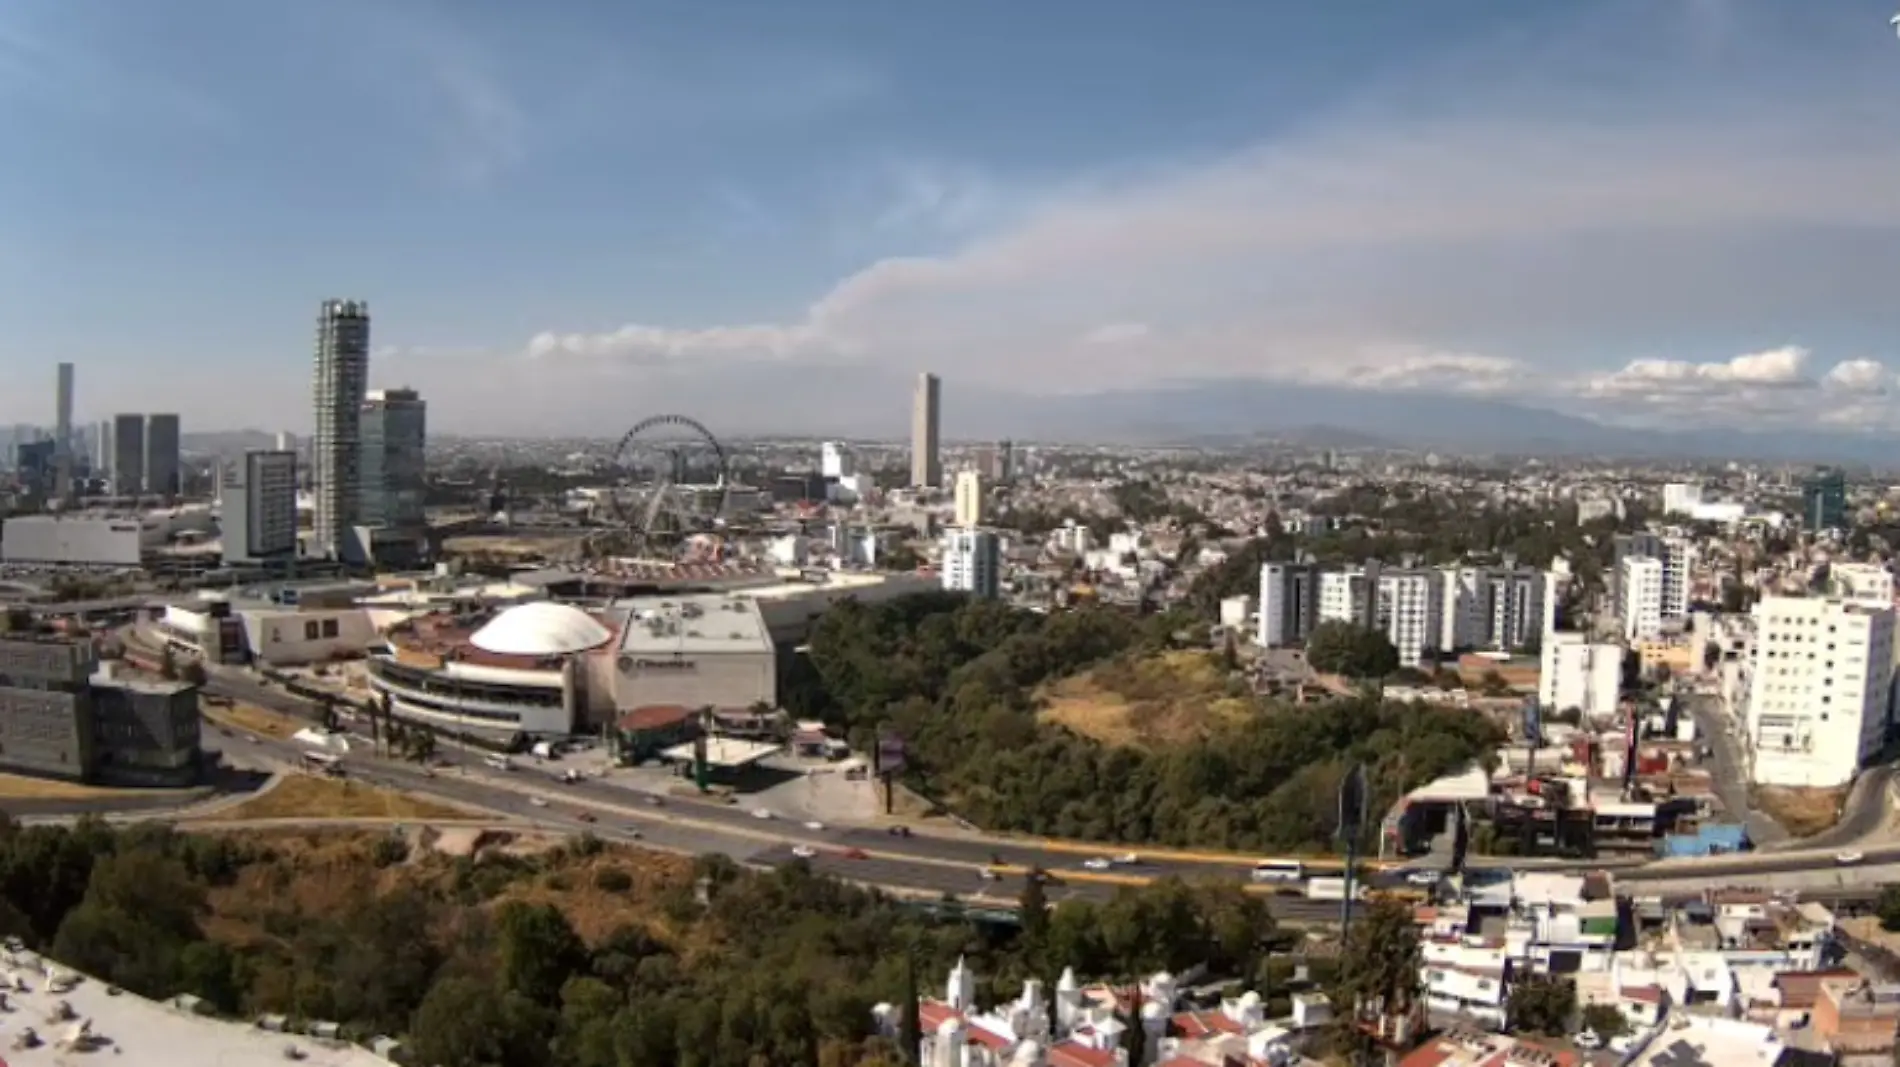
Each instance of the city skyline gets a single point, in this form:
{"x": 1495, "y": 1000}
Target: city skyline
{"x": 1443, "y": 203}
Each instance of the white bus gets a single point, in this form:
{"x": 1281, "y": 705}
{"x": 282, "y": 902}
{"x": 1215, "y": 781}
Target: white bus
{"x": 1279, "y": 872}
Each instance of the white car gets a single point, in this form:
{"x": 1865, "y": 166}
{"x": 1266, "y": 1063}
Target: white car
{"x": 1848, "y": 859}
{"x": 988, "y": 874}
{"x": 1096, "y": 864}
{"x": 539, "y": 802}
{"x": 814, "y": 825}
{"x": 761, "y": 813}
{"x": 804, "y": 852}
{"x": 1423, "y": 878}
{"x": 1127, "y": 859}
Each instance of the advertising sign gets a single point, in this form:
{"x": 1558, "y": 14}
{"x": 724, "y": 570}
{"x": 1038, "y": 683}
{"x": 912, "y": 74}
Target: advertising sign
{"x": 891, "y": 759}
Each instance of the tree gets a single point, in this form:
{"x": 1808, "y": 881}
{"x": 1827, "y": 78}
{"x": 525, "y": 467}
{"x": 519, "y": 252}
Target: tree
{"x": 1032, "y": 909}
{"x": 1889, "y": 908}
{"x": 1541, "y": 1004}
{"x": 1350, "y": 650}
{"x": 910, "y": 1036}
{"x": 326, "y": 713}
{"x": 538, "y": 950}
{"x": 1605, "y": 1021}
{"x": 1378, "y": 971}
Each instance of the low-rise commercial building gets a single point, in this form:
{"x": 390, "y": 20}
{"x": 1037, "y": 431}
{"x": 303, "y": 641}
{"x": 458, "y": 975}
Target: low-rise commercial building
{"x": 63, "y": 716}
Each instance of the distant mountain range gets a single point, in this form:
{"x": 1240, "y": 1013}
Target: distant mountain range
{"x": 859, "y": 402}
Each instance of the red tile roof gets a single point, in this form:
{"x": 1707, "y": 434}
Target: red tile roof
{"x": 654, "y": 717}
{"x": 1070, "y": 1054}
{"x": 1199, "y": 1024}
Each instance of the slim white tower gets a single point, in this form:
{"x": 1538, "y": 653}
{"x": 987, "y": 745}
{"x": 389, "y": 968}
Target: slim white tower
{"x": 63, "y": 435}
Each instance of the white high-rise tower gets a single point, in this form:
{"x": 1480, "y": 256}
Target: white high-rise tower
{"x": 63, "y": 435}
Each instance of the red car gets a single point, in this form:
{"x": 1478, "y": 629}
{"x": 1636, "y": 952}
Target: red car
{"x": 587, "y": 816}
{"x": 854, "y": 854}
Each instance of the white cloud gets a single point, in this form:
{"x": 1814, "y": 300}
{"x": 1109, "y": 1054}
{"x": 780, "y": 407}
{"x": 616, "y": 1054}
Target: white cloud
{"x": 1776, "y": 367}
{"x": 1461, "y": 232}
{"x": 1860, "y": 375}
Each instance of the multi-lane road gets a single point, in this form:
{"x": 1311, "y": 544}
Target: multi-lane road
{"x": 922, "y": 862}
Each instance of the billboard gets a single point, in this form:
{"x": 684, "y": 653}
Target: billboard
{"x": 1533, "y": 723}
{"x": 891, "y": 757}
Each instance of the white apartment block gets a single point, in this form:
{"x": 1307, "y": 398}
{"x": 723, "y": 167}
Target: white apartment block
{"x": 1677, "y": 556}
{"x": 1289, "y": 603}
{"x": 1865, "y": 583}
{"x": 1820, "y": 689}
{"x": 1639, "y": 586}
{"x": 1461, "y": 620}
{"x": 1408, "y": 609}
{"x": 1342, "y": 596}
{"x": 1681, "y": 498}
{"x": 1581, "y": 675}
{"x": 834, "y": 461}
{"x": 972, "y": 563}
{"x": 969, "y": 498}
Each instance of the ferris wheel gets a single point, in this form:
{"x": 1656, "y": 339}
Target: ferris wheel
{"x": 669, "y": 482}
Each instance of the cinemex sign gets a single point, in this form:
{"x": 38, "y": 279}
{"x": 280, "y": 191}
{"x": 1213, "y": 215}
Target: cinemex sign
{"x": 674, "y": 664}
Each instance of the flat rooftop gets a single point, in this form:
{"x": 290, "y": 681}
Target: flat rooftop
{"x": 725, "y": 752}
{"x": 698, "y": 624}
{"x": 144, "y": 1032}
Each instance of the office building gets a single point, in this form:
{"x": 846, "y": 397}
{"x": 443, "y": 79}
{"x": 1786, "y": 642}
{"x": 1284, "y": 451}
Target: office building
{"x": 128, "y": 455}
{"x": 258, "y": 513}
{"x": 972, "y": 563}
{"x": 1289, "y": 603}
{"x": 1640, "y": 596}
{"x": 969, "y": 499}
{"x": 926, "y": 411}
{"x": 395, "y": 437}
{"x": 1820, "y": 689}
{"x": 62, "y": 716}
{"x": 336, "y": 457}
{"x": 835, "y": 461}
{"x": 1824, "y": 500}
{"x": 161, "y": 455}
{"x": 63, "y": 434}
{"x": 34, "y": 465}
{"x": 102, "y": 452}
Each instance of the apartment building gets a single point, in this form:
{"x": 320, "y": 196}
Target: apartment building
{"x": 1578, "y": 674}
{"x": 1820, "y": 689}
{"x": 1289, "y": 603}
{"x": 972, "y": 562}
{"x": 1677, "y": 556}
{"x": 1408, "y": 608}
{"x": 1639, "y": 594}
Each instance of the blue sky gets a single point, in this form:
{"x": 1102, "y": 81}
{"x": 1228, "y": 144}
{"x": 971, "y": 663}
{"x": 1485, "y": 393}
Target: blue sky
{"x": 570, "y": 214}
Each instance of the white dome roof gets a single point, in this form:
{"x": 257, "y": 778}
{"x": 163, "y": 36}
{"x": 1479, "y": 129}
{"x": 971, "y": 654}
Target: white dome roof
{"x": 541, "y": 628}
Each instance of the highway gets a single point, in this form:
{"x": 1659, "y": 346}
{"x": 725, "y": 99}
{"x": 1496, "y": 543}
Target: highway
{"x": 925, "y": 861}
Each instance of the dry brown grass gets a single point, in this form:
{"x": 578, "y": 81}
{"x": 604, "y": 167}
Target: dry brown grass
{"x": 25, "y": 787}
{"x": 322, "y": 872}
{"x": 252, "y": 719}
{"x": 304, "y": 796}
{"x": 1153, "y": 701}
{"x": 1802, "y": 811}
